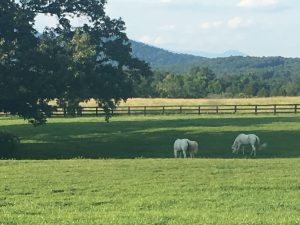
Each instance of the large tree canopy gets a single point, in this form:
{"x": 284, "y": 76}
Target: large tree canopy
{"x": 70, "y": 64}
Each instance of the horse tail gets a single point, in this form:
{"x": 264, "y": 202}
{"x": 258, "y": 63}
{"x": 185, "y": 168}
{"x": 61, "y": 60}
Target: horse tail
{"x": 261, "y": 146}
{"x": 258, "y": 141}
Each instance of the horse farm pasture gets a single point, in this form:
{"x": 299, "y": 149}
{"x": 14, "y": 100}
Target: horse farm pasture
{"x": 150, "y": 191}
{"x": 152, "y": 136}
{"x": 123, "y": 172}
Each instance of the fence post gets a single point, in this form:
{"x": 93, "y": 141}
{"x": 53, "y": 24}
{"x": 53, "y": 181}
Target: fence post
{"x": 163, "y": 110}
{"x": 217, "y": 109}
{"x": 275, "y": 109}
{"x": 296, "y": 107}
{"x": 65, "y": 113}
{"x": 96, "y": 111}
{"x": 255, "y": 109}
{"x": 129, "y": 110}
{"x": 145, "y": 110}
{"x": 235, "y": 108}
{"x": 180, "y": 109}
{"x": 199, "y": 110}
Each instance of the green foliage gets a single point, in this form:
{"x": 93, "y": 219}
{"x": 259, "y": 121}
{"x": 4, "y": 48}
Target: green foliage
{"x": 70, "y": 64}
{"x": 150, "y": 191}
{"x": 171, "y": 86}
{"x": 8, "y": 143}
{"x": 203, "y": 82}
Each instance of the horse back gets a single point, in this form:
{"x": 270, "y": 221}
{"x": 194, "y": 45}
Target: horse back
{"x": 181, "y": 145}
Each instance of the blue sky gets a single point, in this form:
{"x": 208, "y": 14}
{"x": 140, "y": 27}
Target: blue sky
{"x": 255, "y": 27}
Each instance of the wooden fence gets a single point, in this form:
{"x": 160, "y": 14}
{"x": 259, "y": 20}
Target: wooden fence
{"x": 187, "y": 109}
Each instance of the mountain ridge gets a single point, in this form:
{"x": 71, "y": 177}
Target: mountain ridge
{"x": 168, "y": 61}
{"x": 210, "y": 55}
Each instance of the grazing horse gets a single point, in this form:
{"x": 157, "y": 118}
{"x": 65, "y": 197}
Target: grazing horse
{"x": 184, "y": 146}
{"x": 246, "y": 139}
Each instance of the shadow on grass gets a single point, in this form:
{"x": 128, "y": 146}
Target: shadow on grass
{"x": 152, "y": 138}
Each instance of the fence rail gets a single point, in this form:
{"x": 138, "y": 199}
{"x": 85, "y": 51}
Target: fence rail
{"x": 179, "y": 109}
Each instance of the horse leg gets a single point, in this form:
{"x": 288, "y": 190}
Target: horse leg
{"x": 253, "y": 150}
{"x": 175, "y": 154}
{"x": 191, "y": 154}
{"x": 243, "y": 150}
{"x": 184, "y": 153}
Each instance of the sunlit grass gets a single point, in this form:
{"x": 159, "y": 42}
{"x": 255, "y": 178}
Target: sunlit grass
{"x": 150, "y": 191}
{"x": 203, "y": 101}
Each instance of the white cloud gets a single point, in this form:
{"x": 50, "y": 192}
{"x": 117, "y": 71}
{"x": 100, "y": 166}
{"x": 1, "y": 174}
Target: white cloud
{"x": 168, "y": 27}
{"x": 145, "y": 39}
{"x": 235, "y": 22}
{"x": 238, "y": 22}
{"x": 158, "y": 41}
{"x": 232, "y": 23}
{"x": 165, "y": 1}
{"x": 146, "y": 1}
{"x": 211, "y": 24}
{"x": 257, "y": 3}
{"x": 151, "y": 40}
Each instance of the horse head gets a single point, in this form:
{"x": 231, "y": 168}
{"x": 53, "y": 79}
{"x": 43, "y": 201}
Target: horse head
{"x": 234, "y": 147}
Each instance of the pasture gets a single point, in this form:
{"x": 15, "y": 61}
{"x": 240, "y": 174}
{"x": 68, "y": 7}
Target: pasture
{"x": 151, "y": 136}
{"x": 150, "y": 191}
{"x": 135, "y": 180}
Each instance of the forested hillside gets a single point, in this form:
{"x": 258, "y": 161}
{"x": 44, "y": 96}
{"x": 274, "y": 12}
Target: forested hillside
{"x": 164, "y": 60}
{"x": 187, "y": 76}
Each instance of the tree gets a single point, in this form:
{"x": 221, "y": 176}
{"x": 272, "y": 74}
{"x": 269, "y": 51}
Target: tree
{"x": 19, "y": 74}
{"x": 171, "y": 86}
{"x": 70, "y": 64}
{"x": 196, "y": 82}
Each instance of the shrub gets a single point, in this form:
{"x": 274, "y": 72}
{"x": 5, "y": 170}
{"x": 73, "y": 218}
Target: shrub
{"x": 8, "y": 143}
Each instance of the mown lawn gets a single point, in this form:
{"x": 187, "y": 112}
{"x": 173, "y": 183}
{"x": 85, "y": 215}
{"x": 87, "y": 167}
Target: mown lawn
{"x": 150, "y": 191}
{"x": 151, "y": 136}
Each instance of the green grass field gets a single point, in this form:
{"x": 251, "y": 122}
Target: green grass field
{"x": 136, "y": 181}
{"x": 150, "y": 191}
{"x": 131, "y": 137}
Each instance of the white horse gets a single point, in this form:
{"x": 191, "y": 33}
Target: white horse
{"x": 246, "y": 139}
{"x": 184, "y": 146}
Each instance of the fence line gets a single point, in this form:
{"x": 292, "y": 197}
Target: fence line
{"x": 180, "y": 109}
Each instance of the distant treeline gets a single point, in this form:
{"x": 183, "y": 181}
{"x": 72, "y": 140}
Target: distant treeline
{"x": 203, "y": 82}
